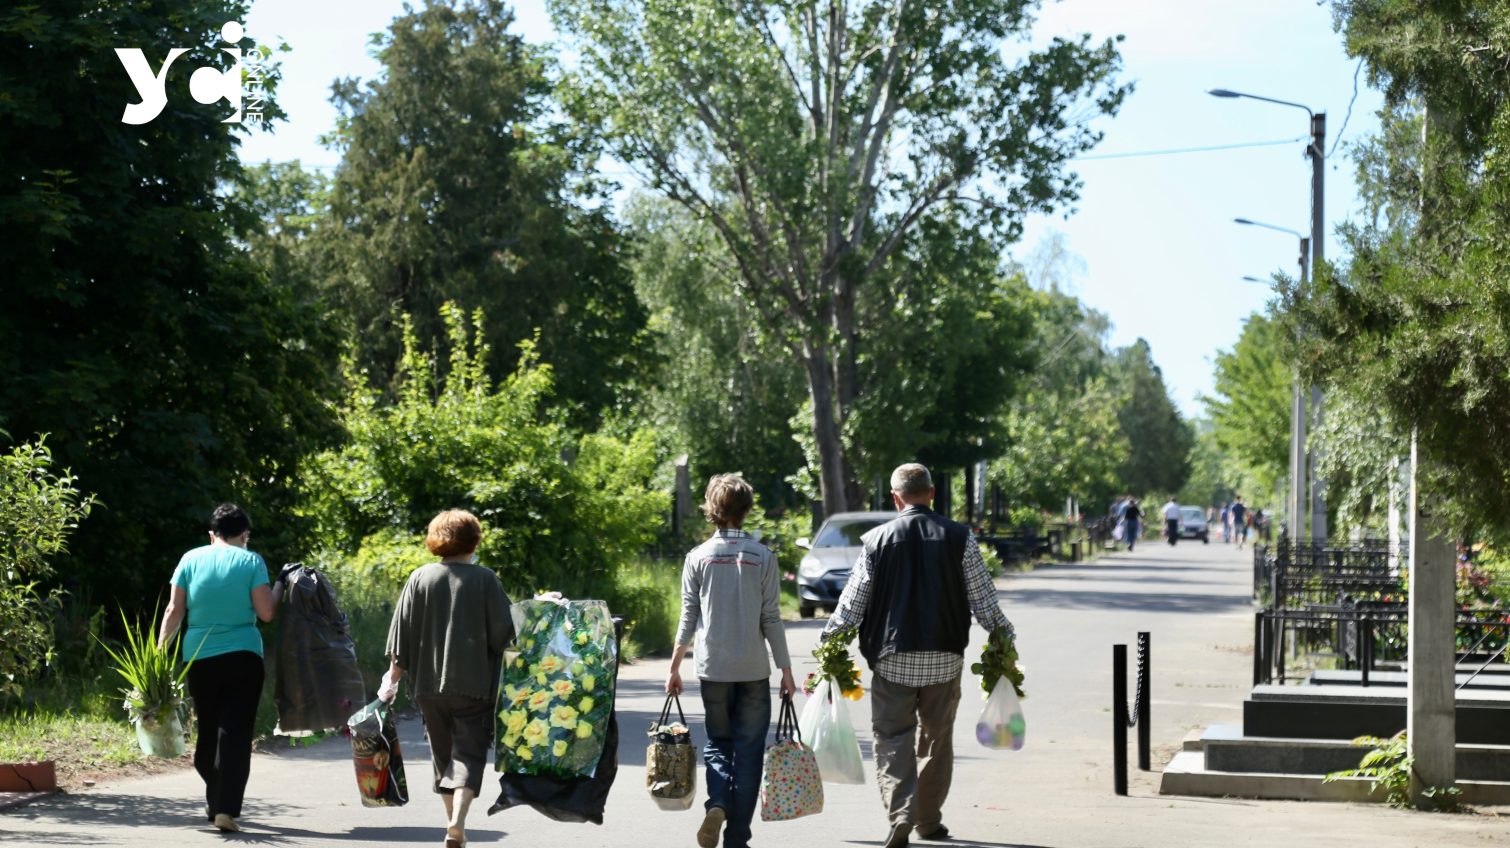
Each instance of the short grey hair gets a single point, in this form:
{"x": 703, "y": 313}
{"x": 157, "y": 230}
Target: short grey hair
{"x": 911, "y": 479}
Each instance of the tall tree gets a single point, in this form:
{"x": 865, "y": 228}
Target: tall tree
{"x": 458, "y": 184}
{"x": 1250, "y": 410}
{"x": 169, "y": 374}
{"x": 722, "y": 391}
{"x": 816, "y": 136}
{"x": 1417, "y": 326}
{"x": 1158, "y": 437}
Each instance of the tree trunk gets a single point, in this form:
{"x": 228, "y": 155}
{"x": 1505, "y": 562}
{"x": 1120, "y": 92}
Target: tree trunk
{"x": 831, "y": 476}
{"x": 846, "y": 370}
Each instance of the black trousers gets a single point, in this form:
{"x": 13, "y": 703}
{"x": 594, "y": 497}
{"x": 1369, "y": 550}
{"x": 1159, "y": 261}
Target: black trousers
{"x": 1172, "y": 529}
{"x": 225, "y": 689}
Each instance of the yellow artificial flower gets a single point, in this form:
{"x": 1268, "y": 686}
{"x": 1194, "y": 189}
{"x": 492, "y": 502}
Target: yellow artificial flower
{"x": 529, "y": 644}
{"x": 540, "y": 678}
{"x": 513, "y": 722}
{"x": 588, "y": 681}
{"x": 552, "y": 664}
{"x": 523, "y": 752}
{"x": 537, "y": 733}
{"x": 584, "y": 730}
{"x": 585, "y": 705}
{"x": 582, "y": 638}
{"x": 510, "y": 740}
{"x": 564, "y": 717}
{"x": 519, "y": 695}
{"x": 539, "y": 700}
{"x": 577, "y": 668}
{"x": 563, "y": 689}
{"x": 519, "y": 663}
{"x": 559, "y": 749}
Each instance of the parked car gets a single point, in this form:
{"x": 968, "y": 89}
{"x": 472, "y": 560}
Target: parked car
{"x": 831, "y": 556}
{"x": 1193, "y": 524}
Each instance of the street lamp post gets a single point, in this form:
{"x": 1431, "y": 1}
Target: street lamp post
{"x": 1295, "y": 524}
{"x": 1316, "y": 152}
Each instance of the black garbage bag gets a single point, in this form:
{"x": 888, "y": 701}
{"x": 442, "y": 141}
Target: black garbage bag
{"x": 316, "y": 682}
{"x": 574, "y": 799}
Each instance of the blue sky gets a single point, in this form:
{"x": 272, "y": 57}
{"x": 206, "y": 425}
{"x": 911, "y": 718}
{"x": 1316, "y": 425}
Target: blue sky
{"x": 1161, "y": 256}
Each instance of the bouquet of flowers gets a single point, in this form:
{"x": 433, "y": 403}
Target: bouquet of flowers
{"x": 998, "y": 659}
{"x": 836, "y": 664}
{"x": 558, "y": 692}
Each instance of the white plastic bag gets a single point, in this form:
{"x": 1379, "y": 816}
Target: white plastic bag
{"x": 1119, "y": 531}
{"x": 1001, "y": 724}
{"x": 826, "y": 727}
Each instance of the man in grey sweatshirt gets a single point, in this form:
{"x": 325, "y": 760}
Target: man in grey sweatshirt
{"x": 731, "y": 602}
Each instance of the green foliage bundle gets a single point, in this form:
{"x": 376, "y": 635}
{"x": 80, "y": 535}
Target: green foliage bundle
{"x": 39, "y": 509}
{"x": 560, "y": 511}
{"x": 837, "y": 664}
{"x": 998, "y": 659}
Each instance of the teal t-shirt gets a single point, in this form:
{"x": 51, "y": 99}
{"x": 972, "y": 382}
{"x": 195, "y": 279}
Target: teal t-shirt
{"x": 220, "y": 580}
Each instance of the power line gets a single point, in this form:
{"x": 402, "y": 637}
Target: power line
{"x": 1179, "y": 150}
{"x": 1345, "y": 118}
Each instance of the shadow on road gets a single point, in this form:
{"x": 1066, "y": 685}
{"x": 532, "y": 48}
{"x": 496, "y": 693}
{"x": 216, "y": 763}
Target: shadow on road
{"x": 1175, "y": 602}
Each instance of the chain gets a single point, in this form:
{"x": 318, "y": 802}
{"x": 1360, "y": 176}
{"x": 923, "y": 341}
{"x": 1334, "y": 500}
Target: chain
{"x": 1132, "y": 709}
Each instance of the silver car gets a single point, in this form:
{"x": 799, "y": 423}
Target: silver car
{"x": 831, "y": 555}
{"x": 1193, "y": 524}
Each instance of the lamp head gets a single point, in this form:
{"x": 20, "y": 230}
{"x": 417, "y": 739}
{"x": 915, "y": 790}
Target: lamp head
{"x": 1241, "y": 221}
{"x": 1222, "y": 92}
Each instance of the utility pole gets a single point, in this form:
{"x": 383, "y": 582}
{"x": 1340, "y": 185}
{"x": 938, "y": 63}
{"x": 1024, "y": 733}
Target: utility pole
{"x": 1317, "y": 154}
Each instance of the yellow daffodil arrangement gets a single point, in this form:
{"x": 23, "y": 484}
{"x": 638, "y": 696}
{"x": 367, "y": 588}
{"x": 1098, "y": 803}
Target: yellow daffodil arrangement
{"x": 558, "y": 690}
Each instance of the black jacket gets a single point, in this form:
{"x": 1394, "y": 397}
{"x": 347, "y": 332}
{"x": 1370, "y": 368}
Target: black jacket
{"x": 918, "y": 600}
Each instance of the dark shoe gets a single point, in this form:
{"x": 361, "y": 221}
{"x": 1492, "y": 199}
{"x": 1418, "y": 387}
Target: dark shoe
{"x": 899, "y": 834}
{"x": 713, "y": 822}
{"x": 937, "y": 834}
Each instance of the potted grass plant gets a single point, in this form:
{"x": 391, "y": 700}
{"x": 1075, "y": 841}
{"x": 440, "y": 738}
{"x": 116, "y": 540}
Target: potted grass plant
{"x": 154, "y": 691}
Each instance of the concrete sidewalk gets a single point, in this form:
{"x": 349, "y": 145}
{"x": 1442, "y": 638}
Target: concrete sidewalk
{"x": 1055, "y": 793}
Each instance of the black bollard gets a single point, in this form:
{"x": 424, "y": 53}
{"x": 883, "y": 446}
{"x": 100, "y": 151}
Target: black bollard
{"x": 1119, "y": 719}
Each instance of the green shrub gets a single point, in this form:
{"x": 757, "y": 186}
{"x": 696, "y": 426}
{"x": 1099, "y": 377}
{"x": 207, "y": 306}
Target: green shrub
{"x": 559, "y": 510}
{"x": 38, "y": 510}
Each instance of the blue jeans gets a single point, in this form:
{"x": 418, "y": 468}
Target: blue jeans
{"x": 737, "y": 717}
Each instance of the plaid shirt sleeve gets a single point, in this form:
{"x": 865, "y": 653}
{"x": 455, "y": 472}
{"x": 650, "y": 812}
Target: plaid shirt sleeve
{"x": 980, "y": 591}
{"x": 855, "y": 598}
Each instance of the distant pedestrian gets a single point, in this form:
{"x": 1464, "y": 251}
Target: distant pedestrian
{"x": 1226, "y": 523}
{"x": 1239, "y": 521}
{"x": 1132, "y": 521}
{"x": 1172, "y": 521}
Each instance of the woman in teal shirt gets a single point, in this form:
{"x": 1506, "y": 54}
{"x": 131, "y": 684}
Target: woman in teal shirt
{"x": 223, "y": 589}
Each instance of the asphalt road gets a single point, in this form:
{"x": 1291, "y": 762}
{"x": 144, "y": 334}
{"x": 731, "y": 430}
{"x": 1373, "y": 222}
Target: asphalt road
{"x": 1055, "y": 793}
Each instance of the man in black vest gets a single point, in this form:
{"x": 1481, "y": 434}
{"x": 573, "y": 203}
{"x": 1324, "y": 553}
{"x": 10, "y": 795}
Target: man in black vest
{"x": 911, "y": 594}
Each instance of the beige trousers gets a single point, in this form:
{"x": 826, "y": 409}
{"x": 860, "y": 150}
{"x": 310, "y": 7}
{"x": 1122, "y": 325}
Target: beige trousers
{"x": 914, "y": 746}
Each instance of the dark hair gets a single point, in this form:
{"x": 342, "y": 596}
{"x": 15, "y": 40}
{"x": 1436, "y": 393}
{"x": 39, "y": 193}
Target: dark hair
{"x": 229, "y": 521}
